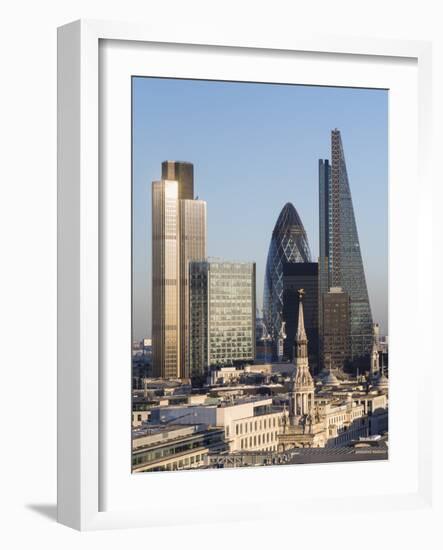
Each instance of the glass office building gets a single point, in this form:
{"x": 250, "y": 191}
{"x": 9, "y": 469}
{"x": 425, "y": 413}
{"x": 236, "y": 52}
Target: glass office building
{"x": 289, "y": 244}
{"x": 178, "y": 237}
{"x": 336, "y": 329}
{"x": 192, "y": 243}
{"x": 183, "y": 172}
{"x": 297, "y": 276}
{"x": 340, "y": 261}
{"x": 165, "y": 279}
{"x": 222, "y": 314}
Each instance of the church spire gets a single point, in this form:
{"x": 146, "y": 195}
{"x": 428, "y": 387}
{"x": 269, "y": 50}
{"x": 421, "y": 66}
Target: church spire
{"x": 301, "y": 333}
{"x": 374, "y": 370}
{"x": 301, "y": 395}
{"x": 301, "y": 341}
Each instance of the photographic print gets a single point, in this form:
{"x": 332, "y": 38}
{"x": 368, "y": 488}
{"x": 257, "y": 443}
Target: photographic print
{"x": 260, "y": 274}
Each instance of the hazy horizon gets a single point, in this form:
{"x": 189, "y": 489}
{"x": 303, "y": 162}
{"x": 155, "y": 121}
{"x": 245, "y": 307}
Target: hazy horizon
{"x": 255, "y": 147}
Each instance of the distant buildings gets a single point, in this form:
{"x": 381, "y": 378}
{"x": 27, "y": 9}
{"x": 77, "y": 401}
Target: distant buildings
{"x": 263, "y": 352}
{"x": 298, "y": 276}
{"x": 141, "y": 361}
{"x": 178, "y": 236}
{"x": 222, "y": 319}
{"x": 234, "y": 375}
{"x": 289, "y": 244}
{"x": 340, "y": 260}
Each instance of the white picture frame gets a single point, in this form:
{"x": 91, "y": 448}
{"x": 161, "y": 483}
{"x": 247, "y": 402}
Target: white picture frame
{"x": 82, "y": 396}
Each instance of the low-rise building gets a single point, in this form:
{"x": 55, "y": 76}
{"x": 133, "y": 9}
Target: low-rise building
{"x": 139, "y": 417}
{"x": 174, "y": 447}
{"x": 224, "y": 375}
{"x": 344, "y": 421}
{"x": 248, "y": 423}
{"x": 375, "y": 404}
{"x": 229, "y": 375}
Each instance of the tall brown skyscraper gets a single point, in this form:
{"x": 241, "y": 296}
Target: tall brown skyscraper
{"x": 336, "y": 324}
{"x": 296, "y": 276}
{"x": 165, "y": 279}
{"x": 180, "y": 171}
{"x": 178, "y": 236}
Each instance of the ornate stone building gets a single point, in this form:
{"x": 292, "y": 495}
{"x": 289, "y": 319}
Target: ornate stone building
{"x": 302, "y": 426}
{"x": 328, "y": 413}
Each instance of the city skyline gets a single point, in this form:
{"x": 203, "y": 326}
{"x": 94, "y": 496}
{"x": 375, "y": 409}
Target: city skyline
{"x": 205, "y": 391}
{"x": 245, "y": 175}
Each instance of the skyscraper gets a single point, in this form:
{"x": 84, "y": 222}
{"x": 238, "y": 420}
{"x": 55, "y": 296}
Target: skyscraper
{"x": 165, "y": 279}
{"x": 180, "y": 171}
{"x": 340, "y": 261}
{"x": 222, "y": 319}
{"x": 336, "y": 328}
{"x": 178, "y": 237}
{"x": 289, "y": 244}
{"x": 296, "y": 276}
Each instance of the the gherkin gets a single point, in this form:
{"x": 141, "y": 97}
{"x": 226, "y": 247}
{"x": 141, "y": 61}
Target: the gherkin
{"x": 289, "y": 244}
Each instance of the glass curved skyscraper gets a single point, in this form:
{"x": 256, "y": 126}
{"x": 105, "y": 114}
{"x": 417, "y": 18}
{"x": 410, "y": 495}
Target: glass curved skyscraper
{"x": 289, "y": 244}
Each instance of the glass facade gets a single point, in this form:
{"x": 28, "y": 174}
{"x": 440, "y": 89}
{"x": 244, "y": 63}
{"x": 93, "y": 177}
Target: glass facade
{"x": 183, "y": 172}
{"x": 178, "y": 237}
{"x": 166, "y": 455}
{"x": 289, "y": 244}
{"x": 296, "y": 276}
{"x": 222, "y": 314}
{"x": 192, "y": 243}
{"x": 165, "y": 279}
{"x": 340, "y": 261}
{"x": 336, "y": 328}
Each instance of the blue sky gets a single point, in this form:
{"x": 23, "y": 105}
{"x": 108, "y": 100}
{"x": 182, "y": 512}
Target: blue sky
{"x": 254, "y": 148}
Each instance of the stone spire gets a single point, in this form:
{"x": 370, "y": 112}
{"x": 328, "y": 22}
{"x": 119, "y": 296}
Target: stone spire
{"x": 301, "y": 341}
{"x": 301, "y": 333}
{"x": 301, "y": 395}
{"x": 374, "y": 370}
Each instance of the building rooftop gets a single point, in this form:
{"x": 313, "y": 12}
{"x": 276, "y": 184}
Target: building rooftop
{"x": 235, "y": 400}
{"x": 148, "y": 436}
{"x": 340, "y": 454}
{"x": 179, "y": 161}
{"x": 216, "y": 260}
{"x": 330, "y": 380}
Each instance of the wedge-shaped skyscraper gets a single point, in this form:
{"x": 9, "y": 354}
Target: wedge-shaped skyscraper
{"x": 289, "y": 244}
{"x": 340, "y": 259}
